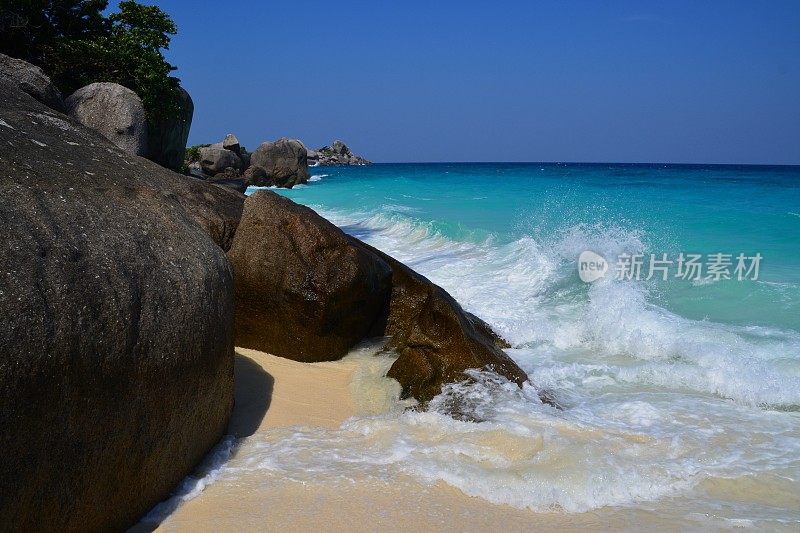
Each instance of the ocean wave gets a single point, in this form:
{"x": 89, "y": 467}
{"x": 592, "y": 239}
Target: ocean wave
{"x": 654, "y": 404}
{"x": 528, "y": 289}
{"x": 506, "y": 447}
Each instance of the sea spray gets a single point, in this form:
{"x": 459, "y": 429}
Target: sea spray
{"x": 673, "y": 394}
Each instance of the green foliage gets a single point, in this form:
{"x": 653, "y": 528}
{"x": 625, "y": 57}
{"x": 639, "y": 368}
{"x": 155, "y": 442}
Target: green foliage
{"x": 29, "y": 28}
{"x": 76, "y": 45}
{"x": 193, "y": 153}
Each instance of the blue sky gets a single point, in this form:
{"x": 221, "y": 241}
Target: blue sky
{"x": 694, "y": 82}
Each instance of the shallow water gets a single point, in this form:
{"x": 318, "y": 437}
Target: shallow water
{"x": 681, "y": 399}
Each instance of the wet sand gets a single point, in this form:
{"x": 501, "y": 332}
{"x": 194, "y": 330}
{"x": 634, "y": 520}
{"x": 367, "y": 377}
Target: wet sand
{"x": 274, "y": 393}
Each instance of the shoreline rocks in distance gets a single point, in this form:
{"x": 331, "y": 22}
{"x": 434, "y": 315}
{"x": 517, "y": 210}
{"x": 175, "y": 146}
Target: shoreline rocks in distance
{"x": 337, "y": 154}
{"x": 280, "y": 163}
{"x": 284, "y": 162}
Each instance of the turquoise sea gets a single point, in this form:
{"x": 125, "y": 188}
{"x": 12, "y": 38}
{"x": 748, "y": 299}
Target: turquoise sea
{"x": 681, "y": 398}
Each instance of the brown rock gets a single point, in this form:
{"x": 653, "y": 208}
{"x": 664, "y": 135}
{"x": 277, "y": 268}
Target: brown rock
{"x": 215, "y": 159}
{"x": 302, "y": 290}
{"x": 436, "y": 340}
{"x": 257, "y": 176}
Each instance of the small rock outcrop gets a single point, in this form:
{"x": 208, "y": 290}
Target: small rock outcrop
{"x": 216, "y": 159}
{"x": 116, "y": 366}
{"x": 337, "y": 154}
{"x": 436, "y": 340}
{"x": 114, "y": 111}
{"x": 302, "y": 290}
{"x": 32, "y": 80}
{"x": 166, "y": 142}
{"x": 231, "y": 142}
{"x": 284, "y": 162}
{"x": 257, "y": 176}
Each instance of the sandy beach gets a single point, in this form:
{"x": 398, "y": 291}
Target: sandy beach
{"x": 273, "y": 394}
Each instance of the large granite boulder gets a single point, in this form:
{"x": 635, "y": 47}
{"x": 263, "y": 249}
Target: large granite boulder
{"x": 302, "y": 290}
{"x": 284, "y": 161}
{"x": 116, "y": 351}
{"x": 32, "y": 80}
{"x": 215, "y": 159}
{"x": 114, "y": 111}
{"x": 308, "y": 292}
{"x": 166, "y": 141}
{"x": 435, "y": 339}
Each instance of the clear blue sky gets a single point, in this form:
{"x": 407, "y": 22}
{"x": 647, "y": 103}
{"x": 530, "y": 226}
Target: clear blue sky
{"x": 639, "y": 81}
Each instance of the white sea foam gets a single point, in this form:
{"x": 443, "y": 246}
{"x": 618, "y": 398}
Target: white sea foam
{"x": 654, "y": 404}
{"x": 529, "y": 291}
{"x": 617, "y": 449}
{"x": 192, "y": 485}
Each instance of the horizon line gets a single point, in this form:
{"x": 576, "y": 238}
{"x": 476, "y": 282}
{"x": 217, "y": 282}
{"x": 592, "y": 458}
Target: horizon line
{"x": 792, "y": 165}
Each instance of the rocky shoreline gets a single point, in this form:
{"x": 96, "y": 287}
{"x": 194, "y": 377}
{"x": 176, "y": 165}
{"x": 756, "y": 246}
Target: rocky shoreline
{"x": 337, "y": 154}
{"x": 126, "y": 286}
{"x": 281, "y": 163}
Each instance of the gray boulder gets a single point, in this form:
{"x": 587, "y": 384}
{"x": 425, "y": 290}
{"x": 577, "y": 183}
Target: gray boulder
{"x": 114, "y": 111}
{"x": 166, "y": 142}
{"x": 32, "y": 80}
{"x": 116, "y": 351}
{"x": 231, "y": 142}
{"x": 284, "y": 161}
{"x": 215, "y": 159}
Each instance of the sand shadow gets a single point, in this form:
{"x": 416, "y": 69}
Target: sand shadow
{"x": 252, "y": 397}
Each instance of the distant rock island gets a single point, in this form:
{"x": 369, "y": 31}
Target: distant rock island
{"x": 281, "y": 163}
{"x": 337, "y": 154}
